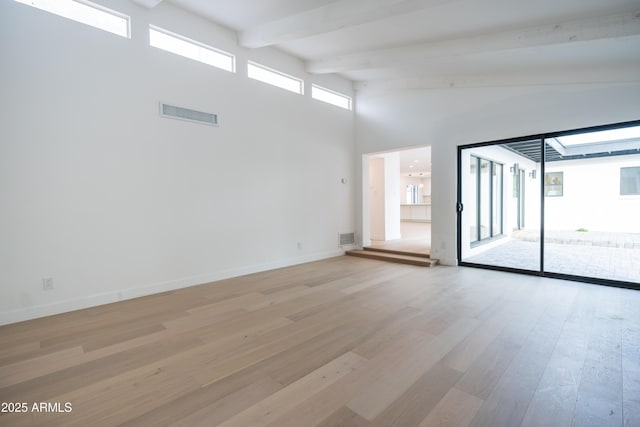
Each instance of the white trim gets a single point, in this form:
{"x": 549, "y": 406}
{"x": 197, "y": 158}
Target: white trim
{"x": 29, "y": 313}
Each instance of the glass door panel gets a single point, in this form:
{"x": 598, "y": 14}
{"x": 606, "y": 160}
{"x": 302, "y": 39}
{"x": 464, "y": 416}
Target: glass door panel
{"x": 592, "y": 205}
{"x": 495, "y": 205}
{"x": 584, "y": 190}
{"x": 472, "y": 196}
{"x": 484, "y": 202}
{"x": 497, "y": 201}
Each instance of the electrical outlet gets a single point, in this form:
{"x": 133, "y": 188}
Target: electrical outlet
{"x": 47, "y": 283}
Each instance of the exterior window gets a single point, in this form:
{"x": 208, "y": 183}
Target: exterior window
{"x": 630, "y": 181}
{"x": 275, "y": 78}
{"x": 486, "y": 194}
{"x": 553, "y": 184}
{"x": 86, "y": 13}
{"x": 175, "y": 43}
{"x": 412, "y": 194}
{"x": 330, "y": 97}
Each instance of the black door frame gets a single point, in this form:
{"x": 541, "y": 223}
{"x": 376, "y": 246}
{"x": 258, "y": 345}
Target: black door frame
{"x": 541, "y": 272}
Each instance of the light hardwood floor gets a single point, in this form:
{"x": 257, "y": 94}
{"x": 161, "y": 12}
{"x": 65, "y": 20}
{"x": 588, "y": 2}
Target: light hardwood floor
{"x": 339, "y": 342}
{"x": 416, "y": 238}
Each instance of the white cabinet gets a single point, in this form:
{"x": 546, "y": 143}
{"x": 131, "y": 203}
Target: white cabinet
{"x": 420, "y": 212}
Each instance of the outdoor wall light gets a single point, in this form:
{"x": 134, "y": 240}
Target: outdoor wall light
{"x": 515, "y": 169}
{"x": 532, "y": 174}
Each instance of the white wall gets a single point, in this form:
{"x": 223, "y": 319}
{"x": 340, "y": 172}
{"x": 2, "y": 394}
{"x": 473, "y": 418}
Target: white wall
{"x": 446, "y": 118}
{"x": 392, "y": 196}
{"x": 591, "y": 196}
{"x": 112, "y": 201}
{"x": 377, "y": 206}
{"x": 384, "y": 197}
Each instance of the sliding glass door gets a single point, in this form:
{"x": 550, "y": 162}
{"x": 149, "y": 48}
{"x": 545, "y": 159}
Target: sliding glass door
{"x": 592, "y": 205}
{"x": 578, "y": 189}
{"x": 495, "y": 206}
{"x": 485, "y": 181}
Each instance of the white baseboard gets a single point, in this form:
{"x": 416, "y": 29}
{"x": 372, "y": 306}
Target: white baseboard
{"x": 79, "y": 303}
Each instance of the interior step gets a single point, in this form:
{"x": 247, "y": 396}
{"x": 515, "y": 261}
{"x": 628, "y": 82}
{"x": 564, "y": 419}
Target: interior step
{"x": 391, "y": 257}
{"x": 397, "y": 252}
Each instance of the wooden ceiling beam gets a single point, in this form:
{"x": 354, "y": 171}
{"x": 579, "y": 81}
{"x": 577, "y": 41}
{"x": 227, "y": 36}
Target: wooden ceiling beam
{"x": 149, "y": 4}
{"x": 332, "y": 17}
{"x": 549, "y": 76}
{"x": 600, "y": 28}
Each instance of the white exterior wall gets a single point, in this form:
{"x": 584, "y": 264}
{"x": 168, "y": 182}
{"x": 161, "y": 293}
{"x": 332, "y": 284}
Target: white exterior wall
{"x": 591, "y": 196}
{"x": 112, "y": 201}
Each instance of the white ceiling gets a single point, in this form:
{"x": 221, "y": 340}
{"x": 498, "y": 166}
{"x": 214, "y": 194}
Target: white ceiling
{"x": 443, "y": 43}
{"x": 416, "y": 162}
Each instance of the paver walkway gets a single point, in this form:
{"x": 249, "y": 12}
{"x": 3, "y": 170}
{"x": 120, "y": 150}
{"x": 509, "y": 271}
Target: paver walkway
{"x": 592, "y": 254}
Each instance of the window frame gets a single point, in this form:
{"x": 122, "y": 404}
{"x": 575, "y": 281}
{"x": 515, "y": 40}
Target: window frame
{"x": 637, "y": 193}
{"x": 83, "y": 3}
{"x": 492, "y": 203}
{"x": 196, "y": 43}
{"x": 320, "y": 89}
{"x": 277, "y": 73}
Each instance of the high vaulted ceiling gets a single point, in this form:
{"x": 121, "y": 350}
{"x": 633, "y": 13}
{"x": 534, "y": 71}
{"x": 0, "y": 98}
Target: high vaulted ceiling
{"x": 443, "y": 43}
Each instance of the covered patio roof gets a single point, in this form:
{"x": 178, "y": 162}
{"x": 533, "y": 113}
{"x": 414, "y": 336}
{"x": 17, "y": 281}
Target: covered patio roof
{"x": 556, "y": 151}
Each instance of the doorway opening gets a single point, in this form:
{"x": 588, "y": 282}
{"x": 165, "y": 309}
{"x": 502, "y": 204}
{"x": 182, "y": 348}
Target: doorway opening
{"x": 397, "y": 201}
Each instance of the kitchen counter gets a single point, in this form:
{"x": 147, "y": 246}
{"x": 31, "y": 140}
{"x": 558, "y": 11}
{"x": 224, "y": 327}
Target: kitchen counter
{"x": 418, "y": 212}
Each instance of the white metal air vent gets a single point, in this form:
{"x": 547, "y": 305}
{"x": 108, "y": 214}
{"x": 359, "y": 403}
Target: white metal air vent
{"x": 346, "y": 239}
{"x": 173, "y": 112}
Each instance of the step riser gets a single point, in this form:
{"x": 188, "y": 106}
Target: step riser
{"x": 391, "y": 251}
{"x": 380, "y": 257}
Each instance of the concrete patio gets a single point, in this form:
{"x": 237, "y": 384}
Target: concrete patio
{"x": 601, "y": 255}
